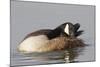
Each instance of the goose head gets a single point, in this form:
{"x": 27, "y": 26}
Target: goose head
{"x": 70, "y": 30}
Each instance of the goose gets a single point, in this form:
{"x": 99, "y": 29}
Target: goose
{"x": 62, "y": 37}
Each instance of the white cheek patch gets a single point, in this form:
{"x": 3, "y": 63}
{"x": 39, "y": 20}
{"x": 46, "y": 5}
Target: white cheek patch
{"x": 66, "y": 29}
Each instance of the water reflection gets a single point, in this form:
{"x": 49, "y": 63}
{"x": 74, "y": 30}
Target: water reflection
{"x": 65, "y": 56}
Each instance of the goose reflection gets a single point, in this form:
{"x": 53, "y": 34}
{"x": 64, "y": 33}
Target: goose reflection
{"x": 64, "y": 56}
{"x": 71, "y": 54}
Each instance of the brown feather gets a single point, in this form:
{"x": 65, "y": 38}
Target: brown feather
{"x": 60, "y": 43}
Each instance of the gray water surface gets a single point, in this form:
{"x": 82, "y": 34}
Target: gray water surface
{"x": 27, "y": 17}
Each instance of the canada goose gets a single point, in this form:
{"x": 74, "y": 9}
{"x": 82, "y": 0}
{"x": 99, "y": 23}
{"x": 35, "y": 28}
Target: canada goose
{"x": 62, "y": 37}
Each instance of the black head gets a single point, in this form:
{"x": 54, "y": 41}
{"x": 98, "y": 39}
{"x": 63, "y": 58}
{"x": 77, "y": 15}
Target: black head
{"x": 70, "y": 30}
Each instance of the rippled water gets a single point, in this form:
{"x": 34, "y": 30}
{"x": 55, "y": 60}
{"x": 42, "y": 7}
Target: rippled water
{"x": 64, "y": 56}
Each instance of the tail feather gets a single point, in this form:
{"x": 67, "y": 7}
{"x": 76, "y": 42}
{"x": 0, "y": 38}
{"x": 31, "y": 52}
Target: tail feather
{"x": 79, "y": 33}
{"x": 76, "y": 27}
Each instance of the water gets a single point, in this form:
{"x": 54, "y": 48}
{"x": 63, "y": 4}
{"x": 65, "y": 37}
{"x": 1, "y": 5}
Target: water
{"x": 27, "y": 17}
{"x": 63, "y": 56}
